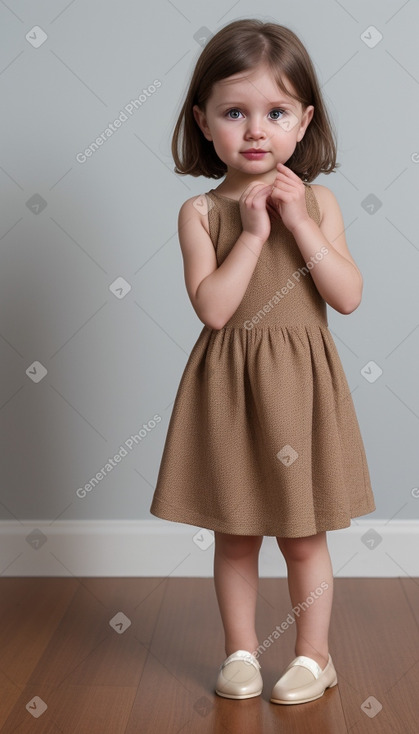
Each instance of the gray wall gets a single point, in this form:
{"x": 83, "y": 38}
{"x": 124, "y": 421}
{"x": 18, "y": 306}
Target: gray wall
{"x": 69, "y": 229}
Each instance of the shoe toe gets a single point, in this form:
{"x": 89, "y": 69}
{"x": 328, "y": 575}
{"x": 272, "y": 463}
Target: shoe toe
{"x": 293, "y": 680}
{"x": 300, "y": 684}
{"x": 239, "y": 678}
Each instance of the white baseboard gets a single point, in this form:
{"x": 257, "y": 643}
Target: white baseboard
{"x": 81, "y": 548}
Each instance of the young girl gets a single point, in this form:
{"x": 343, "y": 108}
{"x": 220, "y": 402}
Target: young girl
{"x": 263, "y": 437}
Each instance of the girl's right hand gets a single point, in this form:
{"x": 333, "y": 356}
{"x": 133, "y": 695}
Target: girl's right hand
{"x": 253, "y": 210}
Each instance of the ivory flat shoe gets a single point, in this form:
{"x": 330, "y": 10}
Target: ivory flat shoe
{"x": 239, "y": 676}
{"x": 303, "y": 681}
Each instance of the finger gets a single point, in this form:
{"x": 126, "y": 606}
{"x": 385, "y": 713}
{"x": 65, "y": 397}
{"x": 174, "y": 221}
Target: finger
{"x": 282, "y": 188}
{"x": 258, "y": 194}
{"x": 259, "y": 187}
{"x": 282, "y": 168}
{"x": 247, "y": 193}
{"x": 264, "y": 191}
{"x": 253, "y": 185}
{"x": 287, "y": 184}
{"x": 261, "y": 197}
{"x": 286, "y": 179}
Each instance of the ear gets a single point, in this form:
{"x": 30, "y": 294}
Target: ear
{"x": 305, "y": 121}
{"x": 201, "y": 121}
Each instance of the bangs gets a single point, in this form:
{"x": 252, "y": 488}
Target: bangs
{"x": 279, "y": 66}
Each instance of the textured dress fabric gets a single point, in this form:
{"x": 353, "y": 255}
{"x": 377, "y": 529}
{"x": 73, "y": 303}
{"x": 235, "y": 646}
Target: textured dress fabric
{"x": 263, "y": 438}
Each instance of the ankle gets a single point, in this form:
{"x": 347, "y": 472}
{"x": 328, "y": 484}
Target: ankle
{"x": 321, "y": 657}
{"x": 241, "y": 645}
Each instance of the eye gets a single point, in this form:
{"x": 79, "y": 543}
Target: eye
{"x": 233, "y": 114}
{"x": 277, "y": 114}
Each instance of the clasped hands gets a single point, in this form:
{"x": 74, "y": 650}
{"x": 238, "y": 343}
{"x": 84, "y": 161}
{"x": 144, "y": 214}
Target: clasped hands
{"x": 262, "y": 203}
{"x": 287, "y": 198}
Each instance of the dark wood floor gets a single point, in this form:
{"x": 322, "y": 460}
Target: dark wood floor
{"x": 157, "y": 675}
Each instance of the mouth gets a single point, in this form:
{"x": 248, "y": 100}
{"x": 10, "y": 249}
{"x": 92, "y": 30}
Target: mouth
{"x": 254, "y": 153}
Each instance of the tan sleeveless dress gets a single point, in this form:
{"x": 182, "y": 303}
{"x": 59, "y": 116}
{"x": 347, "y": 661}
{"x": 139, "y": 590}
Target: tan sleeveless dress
{"x": 263, "y": 438}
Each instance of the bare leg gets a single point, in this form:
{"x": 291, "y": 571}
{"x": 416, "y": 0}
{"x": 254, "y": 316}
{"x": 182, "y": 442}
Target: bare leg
{"x": 236, "y": 581}
{"x": 308, "y": 562}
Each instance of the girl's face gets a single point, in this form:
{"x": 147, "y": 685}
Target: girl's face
{"x": 253, "y": 125}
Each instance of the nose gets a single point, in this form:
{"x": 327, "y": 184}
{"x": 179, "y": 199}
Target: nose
{"x": 255, "y": 129}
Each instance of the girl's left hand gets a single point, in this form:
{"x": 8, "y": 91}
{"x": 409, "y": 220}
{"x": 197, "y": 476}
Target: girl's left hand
{"x": 288, "y": 198}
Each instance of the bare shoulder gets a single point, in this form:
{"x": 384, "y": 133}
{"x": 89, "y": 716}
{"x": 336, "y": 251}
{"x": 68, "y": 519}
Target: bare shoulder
{"x": 188, "y": 209}
{"x": 196, "y": 208}
{"x": 326, "y": 200}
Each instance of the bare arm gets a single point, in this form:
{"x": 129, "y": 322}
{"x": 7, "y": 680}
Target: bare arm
{"x": 336, "y": 275}
{"x": 216, "y": 292}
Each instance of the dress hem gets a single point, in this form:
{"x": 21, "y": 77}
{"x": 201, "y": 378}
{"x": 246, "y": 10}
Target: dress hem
{"x": 161, "y": 510}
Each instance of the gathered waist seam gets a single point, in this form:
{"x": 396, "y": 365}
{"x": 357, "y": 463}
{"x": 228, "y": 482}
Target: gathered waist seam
{"x": 272, "y": 327}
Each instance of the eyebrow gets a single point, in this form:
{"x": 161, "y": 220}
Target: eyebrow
{"x": 279, "y": 103}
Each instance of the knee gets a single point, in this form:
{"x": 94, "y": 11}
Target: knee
{"x": 300, "y": 549}
{"x": 237, "y": 546}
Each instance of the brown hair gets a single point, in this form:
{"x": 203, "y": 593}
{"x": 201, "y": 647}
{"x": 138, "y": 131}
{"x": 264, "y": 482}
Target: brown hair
{"x": 238, "y": 47}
